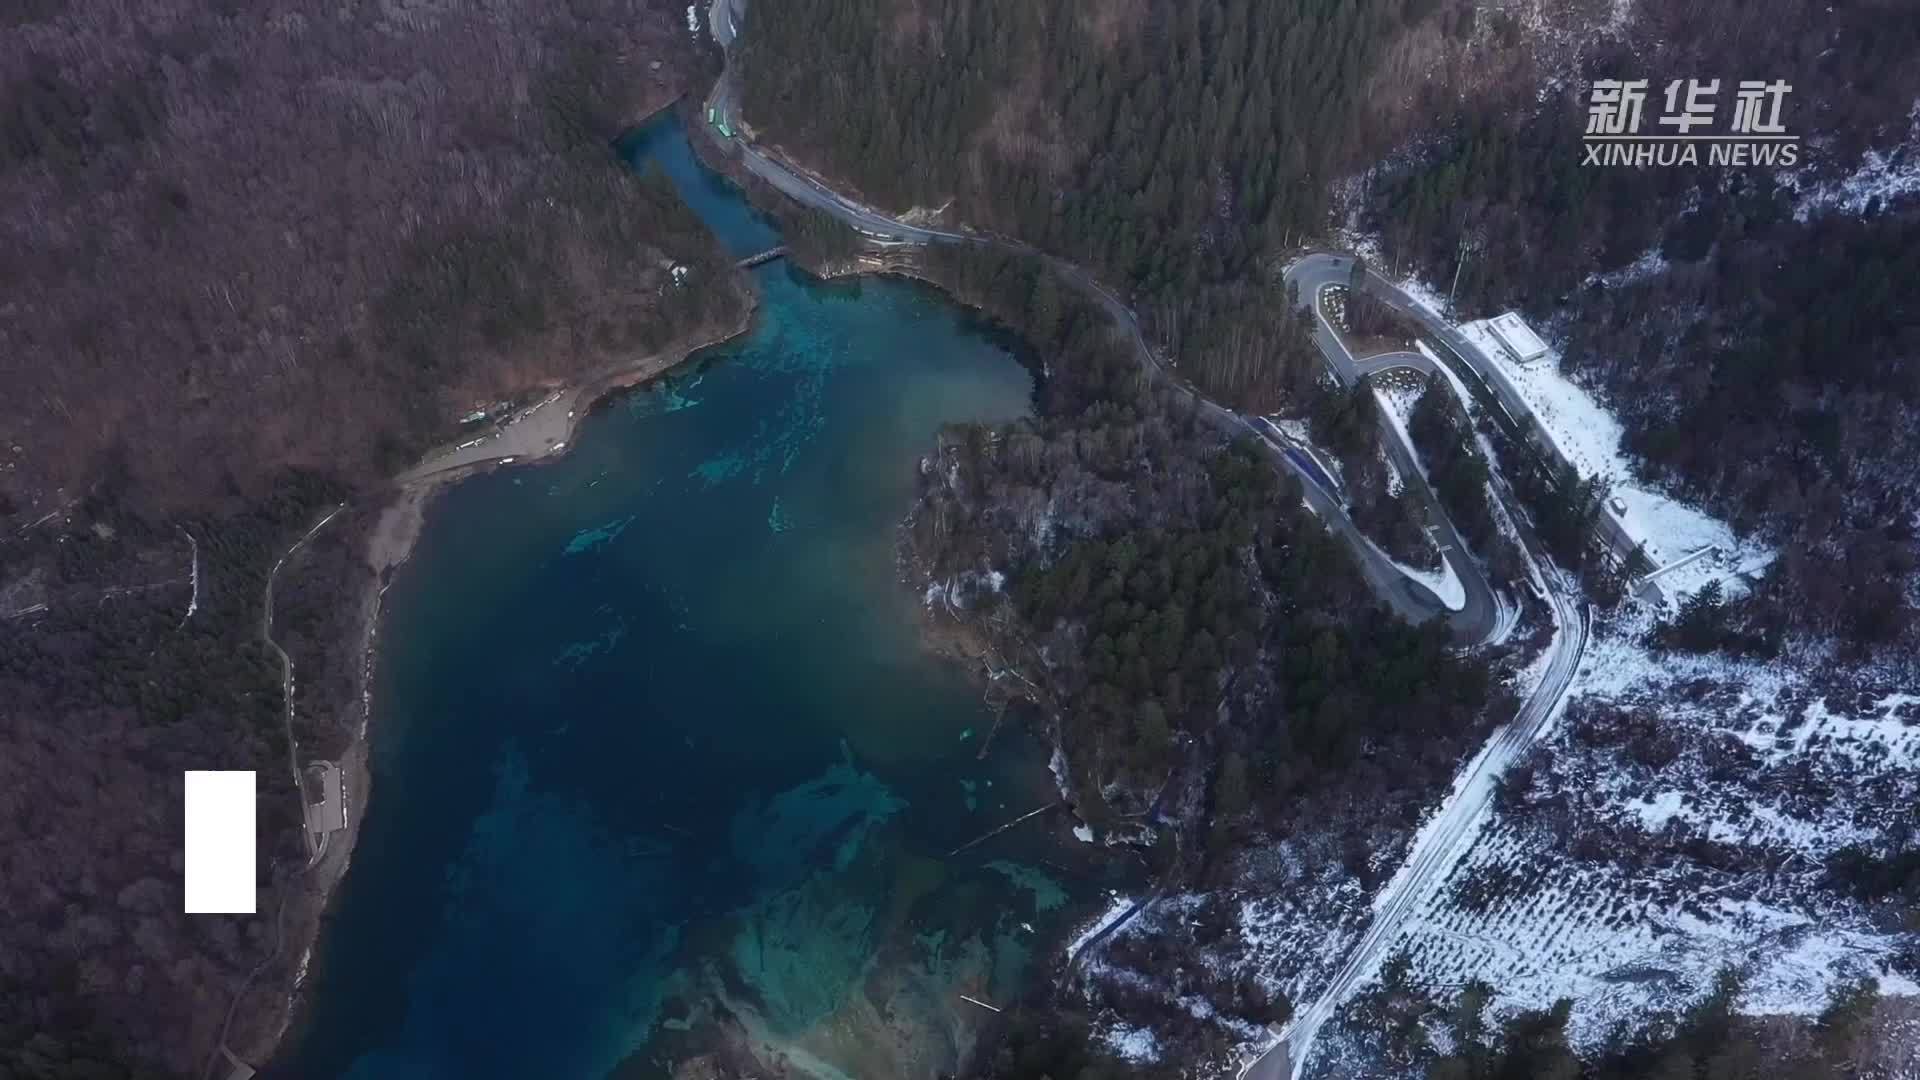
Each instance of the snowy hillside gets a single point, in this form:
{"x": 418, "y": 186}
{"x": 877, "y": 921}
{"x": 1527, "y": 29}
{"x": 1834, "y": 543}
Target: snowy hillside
{"x": 1685, "y": 816}
{"x": 1685, "y": 547}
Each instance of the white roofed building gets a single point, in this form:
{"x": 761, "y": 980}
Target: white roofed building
{"x": 1517, "y": 337}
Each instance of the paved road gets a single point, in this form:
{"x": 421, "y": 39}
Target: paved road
{"x": 1438, "y": 848}
{"x": 809, "y": 191}
{"x": 286, "y": 672}
{"x": 1327, "y": 269}
{"x": 1474, "y": 366}
{"x": 722, "y": 17}
{"x": 1313, "y": 273}
{"x": 1309, "y": 277}
{"x": 1445, "y": 839}
{"x": 1402, "y": 594}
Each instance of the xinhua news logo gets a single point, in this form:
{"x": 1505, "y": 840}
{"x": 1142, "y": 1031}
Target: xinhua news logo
{"x": 1687, "y": 130}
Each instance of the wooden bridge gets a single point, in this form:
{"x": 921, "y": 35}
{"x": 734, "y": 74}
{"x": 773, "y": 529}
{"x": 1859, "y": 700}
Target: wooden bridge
{"x": 766, "y": 256}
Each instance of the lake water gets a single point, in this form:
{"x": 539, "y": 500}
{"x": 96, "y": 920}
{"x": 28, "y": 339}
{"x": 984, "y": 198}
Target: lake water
{"x": 656, "y": 746}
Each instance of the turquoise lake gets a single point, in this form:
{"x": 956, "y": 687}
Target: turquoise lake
{"x": 657, "y": 753}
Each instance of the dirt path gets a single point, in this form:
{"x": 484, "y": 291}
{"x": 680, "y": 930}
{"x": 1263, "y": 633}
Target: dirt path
{"x": 547, "y": 426}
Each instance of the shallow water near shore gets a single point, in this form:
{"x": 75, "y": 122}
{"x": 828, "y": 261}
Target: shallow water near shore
{"x": 656, "y": 750}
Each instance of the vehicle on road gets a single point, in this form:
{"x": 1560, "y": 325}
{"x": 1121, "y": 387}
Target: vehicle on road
{"x": 1313, "y": 470}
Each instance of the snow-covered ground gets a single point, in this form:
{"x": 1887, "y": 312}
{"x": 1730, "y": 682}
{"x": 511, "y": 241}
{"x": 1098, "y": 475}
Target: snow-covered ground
{"x": 1305, "y": 927}
{"x": 1297, "y": 430}
{"x": 1301, "y": 434}
{"x": 1506, "y": 620}
{"x": 1118, "y": 907}
{"x": 1135, "y": 1044}
{"x": 1687, "y": 548}
{"x": 1395, "y": 485}
{"x": 1425, "y": 295}
{"x": 1450, "y": 833}
{"x": 1585, "y": 434}
{"x": 1396, "y": 404}
{"x": 1459, "y": 388}
{"x": 1650, "y": 264}
{"x": 1885, "y": 175}
{"x": 1443, "y": 583}
{"x": 1677, "y": 823}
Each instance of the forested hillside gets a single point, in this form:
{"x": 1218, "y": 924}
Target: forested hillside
{"x": 1742, "y": 323}
{"x": 1173, "y": 582}
{"x": 1171, "y": 146}
{"x": 256, "y": 257}
{"x": 282, "y": 204}
{"x": 1760, "y": 360}
{"x": 1213, "y": 670}
{"x": 1447, "y": 1035}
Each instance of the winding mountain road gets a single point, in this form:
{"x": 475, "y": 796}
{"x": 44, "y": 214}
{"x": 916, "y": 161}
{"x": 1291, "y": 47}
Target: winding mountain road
{"x": 1439, "y": 845}
{"x": 1449, "y": 833}
{"x": 1412, "y": 600}
{"x": 1309, "y": 278}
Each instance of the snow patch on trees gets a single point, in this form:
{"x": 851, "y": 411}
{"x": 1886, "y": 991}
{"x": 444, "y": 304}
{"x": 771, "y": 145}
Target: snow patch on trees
{"x": 1396, "y": 404}
{"x": 1650, "y": 264}
{"x": 1683, "y": 818}
{"x": 1395, "y": 485}
{"x": 1685, "y": 547}
{"x": 1132, "y": 1044}
{"x": 1881, "y": 177}
{"x": 1459, "y": 388}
